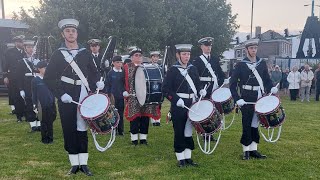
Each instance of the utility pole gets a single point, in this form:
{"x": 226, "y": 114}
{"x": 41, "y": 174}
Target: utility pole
{"x": 2, "y": 9}
{"x": 251, "y": 16}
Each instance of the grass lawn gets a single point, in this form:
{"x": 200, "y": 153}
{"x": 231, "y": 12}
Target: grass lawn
{"x": 295, "y": 156}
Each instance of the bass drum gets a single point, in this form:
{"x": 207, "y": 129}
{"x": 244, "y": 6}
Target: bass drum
{"x": 148, "y": 83}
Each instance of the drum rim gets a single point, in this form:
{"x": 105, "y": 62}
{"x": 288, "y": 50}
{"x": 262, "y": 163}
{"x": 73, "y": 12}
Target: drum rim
{"x": 208, "y": 116}
{"x": 220, "y": 101}
{"x": 279, "y": 104}
{"x": 84, "y": 117}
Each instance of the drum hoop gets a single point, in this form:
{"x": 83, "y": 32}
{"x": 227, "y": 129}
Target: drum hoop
{"x": 279, "y": 104}
{"x": 95, "y": 117}
{"x": 215, "y": 109}
{"x": 221, "y": 101}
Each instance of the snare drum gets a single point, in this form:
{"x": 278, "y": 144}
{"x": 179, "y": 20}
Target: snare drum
{"x": 98, "y": 112}
{"x": 223, "y": 100}
{"x": 206, "y": 119}
{"x": 148, "y": 82}
{"x": 270, "y": 112}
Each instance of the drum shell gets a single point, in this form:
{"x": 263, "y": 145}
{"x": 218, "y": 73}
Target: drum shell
{"x": 209, "y": 125}
{"x": 224, "y": 107}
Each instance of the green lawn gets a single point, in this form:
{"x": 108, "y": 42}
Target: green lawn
{"x": 295, "y": 156}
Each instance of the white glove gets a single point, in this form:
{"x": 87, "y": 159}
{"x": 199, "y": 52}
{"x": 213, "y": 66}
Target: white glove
{"x": 203, "y": 92}
{"x": 180, "y": 103}
{"x": 125, "y": 94}
{"x": 66, "y": 98}
{"x": 241, "y": 102}
{"x": 106, "y": 63}
{"x": 226, "y": 81}
{"x": 100, "y": 85}
{"x": 274, "y": 90}
{"x": 22, "y": 94}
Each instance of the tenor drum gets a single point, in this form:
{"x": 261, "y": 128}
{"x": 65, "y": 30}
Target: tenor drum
{"x": 98, "y": 112}
{"x": 270, "y": 112}
{"x": 148, "y": 82}
{"x": 223, "y": 100}
{"x": 205, "y": 118}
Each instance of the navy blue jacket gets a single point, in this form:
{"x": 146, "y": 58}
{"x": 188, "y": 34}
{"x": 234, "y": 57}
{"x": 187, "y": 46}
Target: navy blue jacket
{"x": 41, "y": 93}
{"x": 115, "y": 84}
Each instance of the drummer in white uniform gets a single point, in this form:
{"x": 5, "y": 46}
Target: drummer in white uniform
{"x": 252, "y": 77}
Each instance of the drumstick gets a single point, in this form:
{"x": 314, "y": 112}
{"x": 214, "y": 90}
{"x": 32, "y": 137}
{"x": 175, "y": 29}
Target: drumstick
{"x": 274, "y": 86}
{"x": 191, "y": 110}
{"x": 223, "y": 84}
{"x": 82, "y": 105}
{"x": 101, "y": 79}
{"x": 251, "y": 103}
{"x": 205, "y": 87}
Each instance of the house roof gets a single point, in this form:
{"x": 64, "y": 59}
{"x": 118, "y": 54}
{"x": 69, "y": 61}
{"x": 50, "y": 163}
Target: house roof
{"x": 267, "y": 35}
{"x": 10, "y": 23}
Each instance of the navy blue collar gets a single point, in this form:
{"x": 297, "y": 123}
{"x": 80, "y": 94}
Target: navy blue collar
{"x": 178, "y": 65}
{"x": 64, "y": 47}
{"x": 247, "y": 60}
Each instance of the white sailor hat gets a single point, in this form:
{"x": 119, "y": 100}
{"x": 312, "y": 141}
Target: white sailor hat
{"x": 135, "y": 50}
{"x": 64, "y": 23}
{"x": 183, "y": 47}
{"x": 18, "y": 38}
{"x": 10, "y": 45}
{"x": 251, "y": 42}
{"x": 94, "y": 41}
{"x": 206, "y": 41}
{"x": 155, "y": 53}
{"x": 28, "y": 43}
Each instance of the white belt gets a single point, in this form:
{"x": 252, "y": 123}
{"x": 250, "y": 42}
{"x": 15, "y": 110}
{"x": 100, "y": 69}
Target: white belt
{"x": 28, "y": 74}
{"x": 70, "y": 81}
{"x": 210, "y": 79}
{"x": 185, "y": 96}
{"x": 252, "y": 88}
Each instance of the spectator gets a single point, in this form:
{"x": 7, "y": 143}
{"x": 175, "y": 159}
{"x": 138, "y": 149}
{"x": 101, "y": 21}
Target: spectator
{"x": 276, "y": 75}
{"x": 306, "y": 81}
{"x": 285, "y": 83}
{"x": 317, "y": 82}
{"x": 294, "y": 83}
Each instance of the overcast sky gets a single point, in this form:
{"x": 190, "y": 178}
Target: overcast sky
{"x": 270, "y": 14}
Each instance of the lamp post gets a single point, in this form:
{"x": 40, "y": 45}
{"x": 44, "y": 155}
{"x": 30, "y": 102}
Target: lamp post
{"x": 251, "y": 16}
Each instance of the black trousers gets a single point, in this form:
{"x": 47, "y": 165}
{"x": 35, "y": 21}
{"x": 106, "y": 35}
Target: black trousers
{"x": 293, "y": 94}
{"x": 317, "y": 92}
{"x": 49, "y": 114}
{"x": 249, "y": 133}
{"x": 179, "y": 118}
{"x": 119, "y": 104}
{"x": 75, "y": 141}
{"x": 28, "y": 111}
{"x": 139, "y": 125}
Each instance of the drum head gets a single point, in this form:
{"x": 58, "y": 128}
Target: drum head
{"x": 140, "y": 85}
{"x": 203, "y": 111}
{"x": 267, "y": 104}
{"x": 221, "y": 95}
{"x": 94, "y": 105}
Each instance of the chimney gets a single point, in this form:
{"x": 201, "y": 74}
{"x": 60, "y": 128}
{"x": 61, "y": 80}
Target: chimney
{"x": 258, "y": 31}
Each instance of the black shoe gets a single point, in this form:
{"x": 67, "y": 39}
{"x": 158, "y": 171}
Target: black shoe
{"x": 181, "y": 163}
{"x": 38, "y": 128}
{"x": 33, "y": 129}
{"x": 134, "y": 142}
{"x": 257, "y": 155}
{"x": 246, "y": 155}
{"x": 19, "y": 120}
{"x": 190, "y": 162}
{"x": 154, "y": 124}
{"x": 157, "y": 124}
{"x": 73, "y": 170}
{"x": 144, "y": 141}
{"x": 85, "y": 170}
{"x": 13, "y": 112}
{"x": 120, "y": 133}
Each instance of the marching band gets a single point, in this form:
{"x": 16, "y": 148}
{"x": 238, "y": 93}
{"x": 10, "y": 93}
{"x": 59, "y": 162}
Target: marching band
{"x": 134, "y": 90}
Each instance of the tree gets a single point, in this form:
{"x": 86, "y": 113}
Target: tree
{"x": 151, "y": 24}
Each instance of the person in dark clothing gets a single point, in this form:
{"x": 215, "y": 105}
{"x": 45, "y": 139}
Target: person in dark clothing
{"x": 317, "y": 82}
{"x": 25, "y": 73}
{"x": 43, "y": 101}
{"x": 180, "y": 87}
{"x": 70, "y": 76}
{"x": 115, "y": 87}
{"x": 208, "y": 67}
{"x": 10, "y": 65}
{"x": 95, "y": 52}
{"x": 251, "y": 74}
